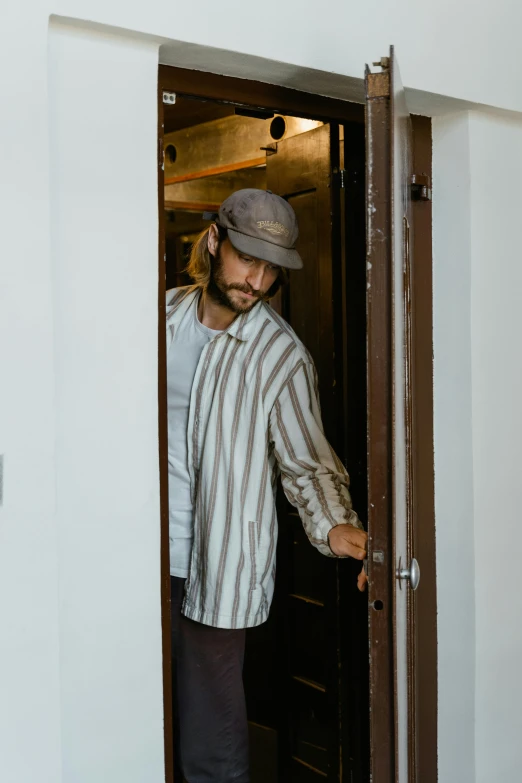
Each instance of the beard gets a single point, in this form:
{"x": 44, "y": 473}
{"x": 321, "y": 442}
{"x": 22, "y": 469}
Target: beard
{"x": 219, "y": 290}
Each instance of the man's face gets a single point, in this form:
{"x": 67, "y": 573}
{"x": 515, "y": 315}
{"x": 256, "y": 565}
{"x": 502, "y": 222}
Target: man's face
{"x": 238, "y": 281}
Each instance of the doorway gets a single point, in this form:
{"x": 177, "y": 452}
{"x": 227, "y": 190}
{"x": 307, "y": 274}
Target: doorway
{"x": 306, "y": 668}
{"x": 297, "y": 664}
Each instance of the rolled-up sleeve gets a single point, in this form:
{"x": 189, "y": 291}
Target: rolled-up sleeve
{"x": 313, "y": 477}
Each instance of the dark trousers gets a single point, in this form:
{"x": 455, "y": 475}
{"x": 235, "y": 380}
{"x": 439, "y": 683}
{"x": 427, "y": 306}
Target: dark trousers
{"x": 210, "y": 723}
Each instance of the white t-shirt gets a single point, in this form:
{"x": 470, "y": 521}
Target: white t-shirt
{"x": 182, "y": 361}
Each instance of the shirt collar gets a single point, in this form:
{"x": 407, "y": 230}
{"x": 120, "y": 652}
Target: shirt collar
{"x": 179, "y": 302}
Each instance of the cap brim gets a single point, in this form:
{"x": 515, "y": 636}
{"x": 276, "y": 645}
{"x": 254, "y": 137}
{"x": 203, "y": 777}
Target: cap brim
{"x": 265, "y": 251}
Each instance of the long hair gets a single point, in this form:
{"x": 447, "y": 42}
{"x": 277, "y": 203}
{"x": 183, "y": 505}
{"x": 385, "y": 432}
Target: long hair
{"x": 200, "y": 263}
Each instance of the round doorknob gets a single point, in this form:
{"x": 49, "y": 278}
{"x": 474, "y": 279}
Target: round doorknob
{"x": 412, "y": 574}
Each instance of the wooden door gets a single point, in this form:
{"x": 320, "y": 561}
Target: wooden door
{"x": 390, "y": 427}
{"x": 307, "y": 590}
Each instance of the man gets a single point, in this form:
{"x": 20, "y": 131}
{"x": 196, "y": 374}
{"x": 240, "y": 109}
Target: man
{"x": 243, "y": 408}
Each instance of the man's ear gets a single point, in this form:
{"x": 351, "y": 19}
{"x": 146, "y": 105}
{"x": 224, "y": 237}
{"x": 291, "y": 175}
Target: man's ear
{"x": 213, "y": 239}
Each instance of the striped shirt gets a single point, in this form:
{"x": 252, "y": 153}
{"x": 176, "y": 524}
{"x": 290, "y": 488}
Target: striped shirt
{"x": 254, "y": 414}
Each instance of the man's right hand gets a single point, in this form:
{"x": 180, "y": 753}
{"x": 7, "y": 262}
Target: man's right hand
{"x": 348, "y": 541}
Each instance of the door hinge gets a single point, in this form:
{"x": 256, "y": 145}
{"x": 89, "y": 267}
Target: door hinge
{"x": 169, "y": 97}
{"x": 383, "y": 63}
{"x": 420, "y": 187}
{"x": 339, "y": 177}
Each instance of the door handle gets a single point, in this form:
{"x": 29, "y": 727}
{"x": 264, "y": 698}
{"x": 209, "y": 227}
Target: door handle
{"x": 411, "y": 574}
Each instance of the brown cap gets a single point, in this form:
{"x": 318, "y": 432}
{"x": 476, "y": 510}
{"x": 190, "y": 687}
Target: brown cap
{"x": 262, "y": 225}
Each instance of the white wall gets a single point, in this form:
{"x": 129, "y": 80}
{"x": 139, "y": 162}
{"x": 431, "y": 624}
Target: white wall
{"x": 496, "y": 171}
{"x": 74, "y": 709}
{"x": 104, "y": 267}
{"x": 452, "y": 260}
{"x": 477, "y": 162}
{"x": 29, "y": 670}
{"x": 455, "y": 49}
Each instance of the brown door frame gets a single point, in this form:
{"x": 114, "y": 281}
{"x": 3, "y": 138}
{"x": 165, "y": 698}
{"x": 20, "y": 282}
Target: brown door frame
{"x": 260, "y": 95}
{"x": 418, "y": 293}
{"x": 168, "y": 725}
